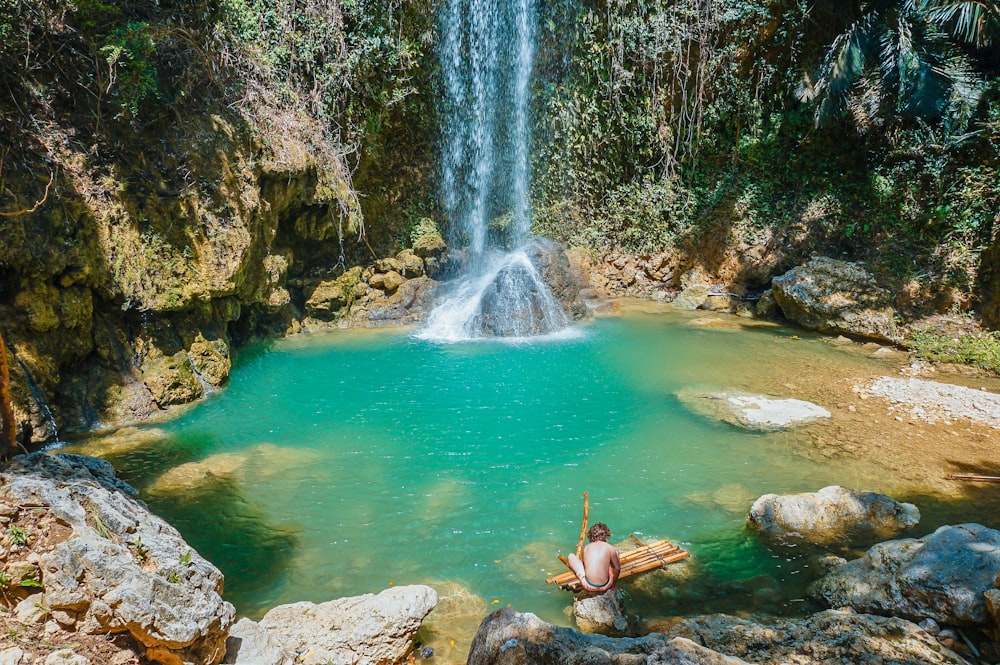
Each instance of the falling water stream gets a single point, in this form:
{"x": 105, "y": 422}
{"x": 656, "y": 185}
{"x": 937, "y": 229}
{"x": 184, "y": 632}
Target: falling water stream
{"x": 487, "y": 55}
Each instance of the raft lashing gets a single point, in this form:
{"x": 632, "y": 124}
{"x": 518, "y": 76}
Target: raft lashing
{"x": 643, "y": 559}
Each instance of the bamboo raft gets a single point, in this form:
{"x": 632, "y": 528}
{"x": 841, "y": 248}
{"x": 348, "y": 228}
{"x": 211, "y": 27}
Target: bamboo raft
{"x": 644, "y": 558}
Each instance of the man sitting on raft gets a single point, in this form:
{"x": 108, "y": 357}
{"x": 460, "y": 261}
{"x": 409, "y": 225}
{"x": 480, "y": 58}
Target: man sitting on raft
{"x": 600, "y": 567}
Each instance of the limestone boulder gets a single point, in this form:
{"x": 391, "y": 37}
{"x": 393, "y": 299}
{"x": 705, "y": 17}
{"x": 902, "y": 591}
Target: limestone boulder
{"x": 836, "y": 297}
{"x": 361, "y": 630}
{"x": 509, "y": 637}
{"x": 828, "y": 638}
{"x": 410, "y": 265}
{"x": 388, "y": 265}
{"x": 387, "y": 281}
{"x": 944, "y": 576}
{"x": 171, "y": 379}
{"x": 122, "y": 569}
{"x": 410, "y": 302}
{"x": 696, "y": 287}
{"x": 833, "y": 515}
{"x": 329, "y": 297}
{"x": 601, "y": 613}
{"x": 754, "y": 412}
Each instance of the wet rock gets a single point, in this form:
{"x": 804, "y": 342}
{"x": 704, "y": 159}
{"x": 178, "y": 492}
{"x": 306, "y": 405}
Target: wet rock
{"x": 171, "y": 379}
{"x": 409, "y": 303}
{"x": 449, "y": 628}
{"x": 601, "y": 613}
{"x": 210, "y": 358}
{"x": 832, "y": 637}
{"x": 509, "y": 637}
{"x": 369, "y": 629}
{"x": 168, "y": 599}
{"x": 430, "y": 245}
{"x": 754, "y": 412}
{"x": 563, "y": 282}
{"x": 943, "y": 576}
{"x": 833, "y": 515}
{"x": 766, "y": 307}
{"x": 836, "y": 297}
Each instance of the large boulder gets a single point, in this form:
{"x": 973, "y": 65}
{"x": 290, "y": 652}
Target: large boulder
{"x": 122, "y": 569}
{"x": 944, "y": 576}
{"x": 360, "y": 630}
{"x": 833, "y": 515}
{"x": 507, "y": 637}
{"x": 553, "y": 266}
{"x": 837, "y": 297}
{"x": 828, "y": 638}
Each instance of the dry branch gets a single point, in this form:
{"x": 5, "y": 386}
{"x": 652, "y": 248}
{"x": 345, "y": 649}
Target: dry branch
{"x": 38, "y": 204}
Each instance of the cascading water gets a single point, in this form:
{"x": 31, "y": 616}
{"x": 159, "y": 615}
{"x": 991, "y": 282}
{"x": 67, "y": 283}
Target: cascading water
{"x": 487, "y": 54}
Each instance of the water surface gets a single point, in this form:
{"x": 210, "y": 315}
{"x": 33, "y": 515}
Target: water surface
{"x": 343, "y": 463}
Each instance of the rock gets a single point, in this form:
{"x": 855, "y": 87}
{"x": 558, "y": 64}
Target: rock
{"x": 411, "y": 265}
{"x": 930, "y": 626}
{"x": 31, "y": 609}
{"x": 943, "y": 576}
{"x": 65, "y": 657}
{"x": 249, "y": 644}
{"x": 210, "y": 359}
{"x": 169, "y": 599}
{"x": 833, "y": 515}
{"x": 450, "y": 627}
{"x": 429, "y": 244}
{"x": 19, "y": 571}
{"x": 601, "y": 613}
{"x": 754, "y": 412}
{"x": 767, "y": 307}
{"x": 388, "y": 265}
{"x": 171, "y": 379}
{"x": 696, "y": 287}
{"x": 329, "y": 297}
{"x": 11, "y": 656}
{"x": 553, "y": 266}
{"x": 410, "y": 303}
{"x": 832, "y": 637}
{"x": 367, "y": 630}
{"x": 509, "y": 637}
{"x": 836, "y": 297}
{"x": 718, "y": 302}
{"x": 388, "y": 282}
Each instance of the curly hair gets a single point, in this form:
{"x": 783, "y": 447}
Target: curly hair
{"x": 599, "y": 531}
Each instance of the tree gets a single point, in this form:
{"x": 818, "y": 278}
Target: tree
{"x": 973, "y": 21}
{"x": 895, "y": 61}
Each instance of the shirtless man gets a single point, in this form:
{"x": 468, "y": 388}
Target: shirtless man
{"x": 600, "y": 567}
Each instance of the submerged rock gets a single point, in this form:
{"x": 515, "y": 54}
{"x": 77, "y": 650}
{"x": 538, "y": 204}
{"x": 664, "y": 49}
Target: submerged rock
{"x": 832, "y": 515}
{"x": 754, "y": 412}
{"x": 362, "y": 630}
{"x": 827, "y": 638}
{"x": 122, "y": 569}
{"x": 836, "y": 297}
{"x": 943, "y": 576}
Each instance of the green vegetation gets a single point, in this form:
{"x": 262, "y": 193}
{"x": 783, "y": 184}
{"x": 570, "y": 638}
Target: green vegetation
{"x": 978, "y": 350}
{"x": 18, "y": 535}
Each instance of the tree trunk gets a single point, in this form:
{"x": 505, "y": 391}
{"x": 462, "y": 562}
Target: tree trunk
{"x": 8, "y": 442}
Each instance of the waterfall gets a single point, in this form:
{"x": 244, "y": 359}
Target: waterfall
{"x": 487, "y": 51}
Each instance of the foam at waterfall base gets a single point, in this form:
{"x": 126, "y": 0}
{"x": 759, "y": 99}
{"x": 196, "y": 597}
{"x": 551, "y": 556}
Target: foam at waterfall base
{"x": 505, "y": 300}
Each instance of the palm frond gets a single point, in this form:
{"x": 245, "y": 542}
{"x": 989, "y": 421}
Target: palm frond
{"x": 973, "y": 21}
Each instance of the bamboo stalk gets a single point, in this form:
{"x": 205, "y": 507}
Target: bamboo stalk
{"x": 636, "y": 540}
{"x": 9, "y": 439}
{"x": 583, "y": 529}
{"x": 964, "y": 476}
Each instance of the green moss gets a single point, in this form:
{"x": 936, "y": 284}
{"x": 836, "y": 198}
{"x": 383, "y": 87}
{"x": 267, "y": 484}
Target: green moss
{"x": 979, "y": 350}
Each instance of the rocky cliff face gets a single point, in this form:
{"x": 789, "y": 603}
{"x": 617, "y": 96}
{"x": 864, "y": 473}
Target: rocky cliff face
{"x": 124, "y": 293}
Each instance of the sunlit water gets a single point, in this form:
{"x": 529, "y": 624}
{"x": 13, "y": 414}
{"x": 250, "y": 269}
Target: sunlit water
{"x": 344, "y": 463}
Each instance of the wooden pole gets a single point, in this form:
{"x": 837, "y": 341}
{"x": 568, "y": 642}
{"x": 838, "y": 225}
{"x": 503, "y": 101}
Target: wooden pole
{"x": 963, "y": 476}
{"x": 583, "y": 529}
{"x": 9, "y": 434}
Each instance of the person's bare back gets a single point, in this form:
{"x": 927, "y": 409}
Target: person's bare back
{"x": 600, "y": 567}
